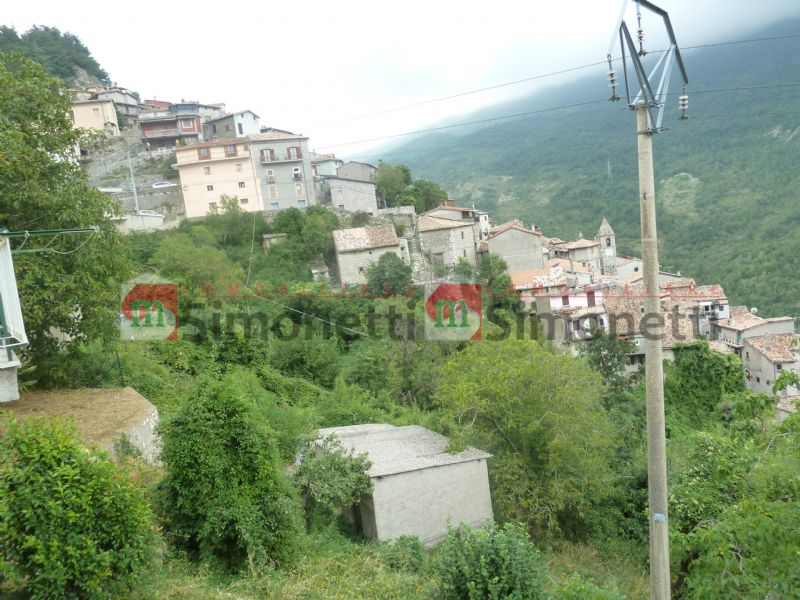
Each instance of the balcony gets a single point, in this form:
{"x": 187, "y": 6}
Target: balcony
{"x": 267, "y": 157}
{"x": 157, "y": 133}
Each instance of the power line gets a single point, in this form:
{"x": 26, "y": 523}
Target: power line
{"x": 542, "y": 76}
{"x": 550, "y": 109}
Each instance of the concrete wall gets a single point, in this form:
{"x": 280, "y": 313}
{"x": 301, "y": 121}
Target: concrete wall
{"x": 95, "y": 114}
{"x": 204, "y": 181}
{"x": 353, "y": 196}
{"x": 142, "y": 435}
{"x": 732, "y": 336}
{"x": 357, "y": 171}
{"x": 452, "y": 244}
{"x": 423, "y": 503}
{"x": 327, "y": 168}
{"x": 230, "y": 126}
{"x": 590, "y": 256}
{"x": 353, "y": 265}
{"x": 9, "y": 387}
{"x": 278, "y": 186}
{"x": 520, "y": 250}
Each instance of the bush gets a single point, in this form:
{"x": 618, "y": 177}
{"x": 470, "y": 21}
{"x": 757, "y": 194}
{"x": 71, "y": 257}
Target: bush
{"x": 71, "y": 525}
{"x": 223, "y": 496}
{"x": 491, "y": 563}
{"x": 333, "y": 478}
{"x": 406, "y": 553}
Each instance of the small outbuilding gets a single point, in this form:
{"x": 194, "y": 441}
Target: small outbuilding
{"x": 418, "y": 488}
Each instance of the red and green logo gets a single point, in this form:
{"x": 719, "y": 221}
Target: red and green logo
{"x": 453, "y": 311}
{"x": 149, "y": 311}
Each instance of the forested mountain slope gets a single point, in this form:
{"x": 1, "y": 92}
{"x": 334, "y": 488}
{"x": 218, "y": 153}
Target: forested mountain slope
{"x": 727, "y": 178}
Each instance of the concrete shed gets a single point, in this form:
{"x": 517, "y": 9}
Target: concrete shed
{"x": 419, "y": 488}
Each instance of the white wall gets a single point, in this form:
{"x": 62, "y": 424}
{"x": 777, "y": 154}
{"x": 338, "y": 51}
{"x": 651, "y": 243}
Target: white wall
{"x": 353, "y": 265}
{"x": 424, "y": 502}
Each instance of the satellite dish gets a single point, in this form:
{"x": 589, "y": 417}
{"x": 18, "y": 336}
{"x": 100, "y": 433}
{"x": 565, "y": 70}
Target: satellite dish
{"x": 754, "y": 311}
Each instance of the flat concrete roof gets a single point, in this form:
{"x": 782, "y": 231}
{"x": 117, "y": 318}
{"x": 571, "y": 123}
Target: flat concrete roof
{"x": 100, "y": 414}
{"x": 394, "y": 450}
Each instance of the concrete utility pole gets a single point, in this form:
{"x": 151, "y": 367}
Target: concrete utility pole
{"x": 654, "y": 367}
{"x": 649, "y": 106}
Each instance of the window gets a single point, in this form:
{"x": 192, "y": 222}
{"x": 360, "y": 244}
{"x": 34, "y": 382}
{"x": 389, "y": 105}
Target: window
{"x": 635, "y": 269}
{"x": 298, "y": 189}
{"x": 576, "y": 325}
{"x": 768, "y": 382}
{"x": 214, "y": 128}
{"x": 243, "y": 201}
{"x": 590, "y": 298}
{"x": 297, "y": 175}
{"x": 600, "y": 322}
{"x": 241, "y": 132}
{"x": 267, "y": 155}
{"x": 203, "y": 153}
{"x": 206, "y": 170}
{"x": 241, "y": 184}
{"x": 301, "y": 203}
{"x": 209, "y": 188}
{"x": 747, "y": 355}
{"x": 758, "y": 379}
{"x": 273, "y": 192}
{"x": 779, "y": 367}
{"x": 230, "y": 150}
{"x": 608, "y": 242}
{"x": 212, "y": 207}
{"x": 270, "y": 176}
{"x": 360, "y": 269}
{"x": 238, "y": 167}
{"x": 564, "y": 300}
{"x": 227, "y": 127}
{"x": 187, "y": 123}
{"x": 95, "y": 112}
{"x": 462, "y": 235}
{"x": 465, "y": 253}
{"x": 293, "y": 152}
{"x": 273, "y": 205}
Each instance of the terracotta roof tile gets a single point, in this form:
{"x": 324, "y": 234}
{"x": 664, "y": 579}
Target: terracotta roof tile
{"x": 778, "y": 348}
{"x": 513, "y": 224}
{"x": 426, "y": 223}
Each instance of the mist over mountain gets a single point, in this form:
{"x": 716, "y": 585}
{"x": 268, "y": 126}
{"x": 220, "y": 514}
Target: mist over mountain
{"x": 727, "y": 179}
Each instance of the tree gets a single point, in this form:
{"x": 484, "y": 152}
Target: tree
{"x": 391, "y": 182}
{"x": 609, "y": 356}
{"x": 389, "y": 276}
{"x": 317, "y": 232}
{"x": 182, "y": 258}
{"x": 69, "y": 290}
{"x": 540, "y": 412}
{"x": 224, "y": 496}
{"x": 360, "y": 219}
{"x": 426, "y": 194}
{"x": 72, "y": 525}
{"x": 332, "y": 478}
{"x": 498, "y": 290}
{"x": 291, "y": 221}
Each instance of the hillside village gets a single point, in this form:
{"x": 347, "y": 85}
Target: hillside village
{"x": 573, "y": 287}
{"x": 196, "y": 402}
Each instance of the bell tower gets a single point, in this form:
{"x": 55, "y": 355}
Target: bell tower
{"x": 608, "y": 248}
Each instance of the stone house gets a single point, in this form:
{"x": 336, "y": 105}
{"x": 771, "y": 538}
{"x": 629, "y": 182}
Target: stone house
{"x": 97, "y": 115}
{"x": 519, "y": 246}
{"x": 742, "y": 324}
{"x": 445, "y": 241}
{"x": 356, "y": 248}
{"x": 580, "y": 252}
{"x": 451, "y": 212}
{"x": 765, "y": 357}
{"x": 418, "y": 487}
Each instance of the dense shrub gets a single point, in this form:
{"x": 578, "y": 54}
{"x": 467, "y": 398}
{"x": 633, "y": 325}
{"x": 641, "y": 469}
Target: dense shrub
{"x": 333, "y": 478}
{"x": 406, "y": 553}
{"x": 223, "y": 496}
{"x": 71, "y": 524}
{"x": 490, "y": 564}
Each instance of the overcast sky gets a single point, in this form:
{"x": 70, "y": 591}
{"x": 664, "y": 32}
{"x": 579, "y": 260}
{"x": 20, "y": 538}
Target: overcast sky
{"x": 311, "y": 66}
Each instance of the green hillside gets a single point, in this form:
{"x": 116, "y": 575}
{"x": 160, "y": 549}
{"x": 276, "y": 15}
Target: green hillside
{"x": 727, "y": 178}
{"x": 60, "y": 53}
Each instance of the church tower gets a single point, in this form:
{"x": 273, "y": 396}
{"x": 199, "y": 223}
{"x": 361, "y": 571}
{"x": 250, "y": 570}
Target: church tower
{"x": 608, "y": 248}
